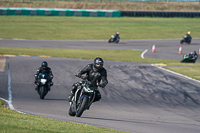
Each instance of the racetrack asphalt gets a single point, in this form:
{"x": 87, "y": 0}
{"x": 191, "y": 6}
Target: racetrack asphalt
{"x": 139, "y": 98}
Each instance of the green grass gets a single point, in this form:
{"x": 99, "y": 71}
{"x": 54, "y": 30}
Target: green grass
{"x": 96, "y": 28}
{"x": 189, "y": 71}
{"x": 12, "y": 121}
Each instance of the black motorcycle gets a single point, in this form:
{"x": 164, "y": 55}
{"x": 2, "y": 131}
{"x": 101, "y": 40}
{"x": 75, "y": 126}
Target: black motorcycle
{"x": 187, "y": 58}
{"x": 43, "y": 85}
{"x": 83, "y": 98}
{"x": 111, "y": 40}
{"x": 186, "y": 40}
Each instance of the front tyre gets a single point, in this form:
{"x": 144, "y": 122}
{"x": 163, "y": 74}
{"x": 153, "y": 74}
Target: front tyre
{"x": 42, "y": 92}
{"x": 82, "y": 106}
{"x": 181, "y": 42}
{"x": 109, "y": 41}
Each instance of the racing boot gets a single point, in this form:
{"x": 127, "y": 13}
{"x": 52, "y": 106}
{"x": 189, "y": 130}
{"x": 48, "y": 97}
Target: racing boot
{"x": 51, "y": 83}
{"x": 70, "y": 97}
{"x": 74, "y": 87}
{"x": 36, "y": 87}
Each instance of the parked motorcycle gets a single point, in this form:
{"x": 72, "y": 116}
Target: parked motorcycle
{"x": 187, "y": 58}
{"x": 111, "y": 40}
{"x": 83, "y": 98}
{"x": 43, "y": 85}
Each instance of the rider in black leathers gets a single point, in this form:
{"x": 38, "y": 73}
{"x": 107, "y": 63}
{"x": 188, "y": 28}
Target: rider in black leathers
{"x": 44, "y": 69}
{"x": 116, "y": 36}
{"x": 95, "y": 73}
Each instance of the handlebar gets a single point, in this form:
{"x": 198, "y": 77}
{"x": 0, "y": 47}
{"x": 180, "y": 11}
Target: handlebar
{"x": 85, "y": 78}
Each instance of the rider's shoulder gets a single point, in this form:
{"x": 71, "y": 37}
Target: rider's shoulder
{"x": 90, "y": 65}
{"x": 104, "y": 70}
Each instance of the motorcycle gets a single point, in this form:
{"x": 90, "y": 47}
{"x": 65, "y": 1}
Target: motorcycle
{"x": 111, "y": 40}
{"x": 189, "y": 59}
{"x": 43, "y": 85}
{"x": 185, "y": 40}
{"x": 83, "y": 98}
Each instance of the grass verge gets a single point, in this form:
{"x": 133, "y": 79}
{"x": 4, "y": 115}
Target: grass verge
{"x": 12, "y": 121}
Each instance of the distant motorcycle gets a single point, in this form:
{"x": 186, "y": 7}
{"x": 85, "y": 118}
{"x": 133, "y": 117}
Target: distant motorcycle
{"x": 187, "y": 58}
{"x": 185, "y": 40}
{"x": 83, "y": 98}
{"x": 43, "y": 85}
{"x": 111, "y": 40}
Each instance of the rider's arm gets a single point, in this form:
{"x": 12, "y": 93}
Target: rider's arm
{"x": 37, "y": 73}
{"x": 104, "y": 79}
{"x": 50, "y": 73}
{"x": 85, "y": 70}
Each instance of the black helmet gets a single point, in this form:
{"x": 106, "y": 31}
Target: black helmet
{"x": 44, "y": 64}
{"x": 98, "y": 63}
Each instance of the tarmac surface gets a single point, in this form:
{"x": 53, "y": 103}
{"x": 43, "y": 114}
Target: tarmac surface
{"x": 140, "y": 98}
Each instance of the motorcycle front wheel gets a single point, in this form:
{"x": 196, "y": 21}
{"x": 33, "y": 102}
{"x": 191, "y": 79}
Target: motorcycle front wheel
{"x": 82, "y": 107}
{"x": 181, "y": 42}
{"x": 109, "y": 41}
{"x": 42, "y": 92}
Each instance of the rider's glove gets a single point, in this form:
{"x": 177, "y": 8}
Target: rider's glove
{"x": 101, "y": 85}
{"x": 78, "y": 75}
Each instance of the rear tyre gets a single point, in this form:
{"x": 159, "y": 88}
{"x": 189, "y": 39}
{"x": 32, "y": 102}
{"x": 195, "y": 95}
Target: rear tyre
{"x": 82, "y": 107}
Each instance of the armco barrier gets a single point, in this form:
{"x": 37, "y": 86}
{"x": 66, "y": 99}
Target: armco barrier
{"x": 59, "y": 12}
{"x": 159, "y": 14}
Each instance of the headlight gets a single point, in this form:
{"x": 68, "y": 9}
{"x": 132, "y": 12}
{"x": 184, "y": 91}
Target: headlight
{"x": 43, "y": 81}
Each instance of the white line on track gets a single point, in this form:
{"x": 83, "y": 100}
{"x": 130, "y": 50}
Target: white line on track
{"x": 144, "y": 52}
{"x": 9, "y": 101}
{"x": 9, "y": 90}
{"x": 175, "y": 73}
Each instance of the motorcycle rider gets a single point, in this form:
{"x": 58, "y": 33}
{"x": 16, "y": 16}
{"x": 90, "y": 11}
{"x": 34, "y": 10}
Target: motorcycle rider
{"x": 116, "y": 36}
{"x": 195, "y": 55}
{"x": 188, "y": 37}
{"x": 43, "y": 69}
{"x": 191, "y": 57}
{"x": 96, "y": 74}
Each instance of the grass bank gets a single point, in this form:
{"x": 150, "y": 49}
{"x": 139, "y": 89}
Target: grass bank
{"x": 12, "y": 121}
{"x": 92, "y": 28}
